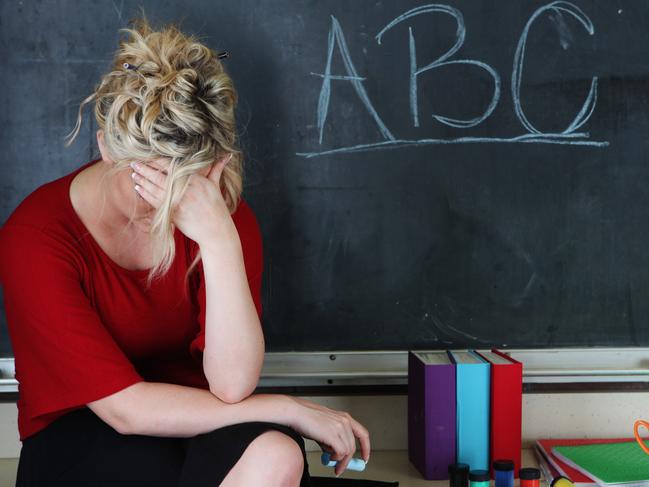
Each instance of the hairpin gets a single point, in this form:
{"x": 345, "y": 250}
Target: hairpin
{"x": 222, "y": 55}
{"x": 129, "y": 66}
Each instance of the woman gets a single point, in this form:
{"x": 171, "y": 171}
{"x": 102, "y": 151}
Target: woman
{"x": 132, "y": 294}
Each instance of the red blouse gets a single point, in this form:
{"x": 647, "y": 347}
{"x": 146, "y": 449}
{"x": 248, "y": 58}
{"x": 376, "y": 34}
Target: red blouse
{"x": 81, "y": 326}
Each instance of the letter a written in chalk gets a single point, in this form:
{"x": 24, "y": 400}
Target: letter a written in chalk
{"x": 337, "y": 38}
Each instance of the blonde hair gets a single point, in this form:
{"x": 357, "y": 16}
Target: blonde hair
{"x": 179, "y": 103}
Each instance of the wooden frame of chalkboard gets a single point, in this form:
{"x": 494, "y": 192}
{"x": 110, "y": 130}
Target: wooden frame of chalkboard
{"x": 386, "y": 372}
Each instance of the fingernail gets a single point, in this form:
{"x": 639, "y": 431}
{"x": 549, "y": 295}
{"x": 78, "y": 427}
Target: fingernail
{"x": 134, "y": 165}
{"x": 137, "y": 188}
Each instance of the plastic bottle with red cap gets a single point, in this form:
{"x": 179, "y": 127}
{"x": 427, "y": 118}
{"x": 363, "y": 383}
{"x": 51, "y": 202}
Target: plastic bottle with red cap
{"x": 529, "y": 477}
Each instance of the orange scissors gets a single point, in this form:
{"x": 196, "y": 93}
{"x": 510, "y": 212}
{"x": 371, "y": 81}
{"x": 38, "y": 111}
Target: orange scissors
{"x": 636, "y": 427}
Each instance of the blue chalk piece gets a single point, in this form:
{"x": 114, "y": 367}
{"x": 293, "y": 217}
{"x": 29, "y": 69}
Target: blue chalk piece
{"x": 357, "y": 464}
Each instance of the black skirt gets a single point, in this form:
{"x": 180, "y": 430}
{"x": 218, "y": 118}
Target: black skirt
{"x": 79, "y": 449}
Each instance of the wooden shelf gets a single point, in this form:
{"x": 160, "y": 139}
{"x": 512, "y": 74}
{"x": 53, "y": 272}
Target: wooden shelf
{"x": 393, "y": 465}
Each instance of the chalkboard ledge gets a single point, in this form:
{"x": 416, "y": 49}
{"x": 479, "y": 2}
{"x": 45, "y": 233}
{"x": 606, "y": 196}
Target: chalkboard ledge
{"x": 386, "y": 372}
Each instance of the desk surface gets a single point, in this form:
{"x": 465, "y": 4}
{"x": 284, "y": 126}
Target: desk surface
{"x": 391, "y": 465}
{"x": 387, "y": 465}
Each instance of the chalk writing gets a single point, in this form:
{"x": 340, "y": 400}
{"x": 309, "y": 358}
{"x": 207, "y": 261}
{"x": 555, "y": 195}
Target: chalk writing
{"x": 569, "y": 136}
{"x": 336, "y": 37}
{"x": 441, "y": 61}
{"x": 589, "y": 104}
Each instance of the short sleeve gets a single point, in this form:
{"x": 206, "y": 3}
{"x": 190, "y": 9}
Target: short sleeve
{"x": 64, "y": 355}
{"x": 252, "y": 248}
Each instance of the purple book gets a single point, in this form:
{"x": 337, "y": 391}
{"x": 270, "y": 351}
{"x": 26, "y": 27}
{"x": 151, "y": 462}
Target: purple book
{"x": 431, "y": 413}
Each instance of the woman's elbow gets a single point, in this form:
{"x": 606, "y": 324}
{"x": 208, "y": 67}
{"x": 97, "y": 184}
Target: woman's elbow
{"x": 231, "y": 387}
{"x": 232, "y": 395}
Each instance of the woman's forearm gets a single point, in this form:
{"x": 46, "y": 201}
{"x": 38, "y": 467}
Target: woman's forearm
{"x": 158, "y": 409}
{"x": 234, "y": 341}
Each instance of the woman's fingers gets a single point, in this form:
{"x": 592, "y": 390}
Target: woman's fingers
{"x": 217, "y": 168}
{"x": 335, "y": 432}
{"x": 152, "y": 199}
{"x": 162, "y": 164}
{"x": 348, "y": 442}
{"x": 350, "y": 429}
{"x": 153, "y": 175}
{"x": 342, "y": 455}
{"x": 341, "y": 466}
{"x": 152, "y": 191}
{"x": 363, "y": 436}
{"x": 149, "y": 182}
{"x": 347, "y": 438}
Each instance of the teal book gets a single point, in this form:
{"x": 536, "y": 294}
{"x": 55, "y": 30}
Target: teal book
{"x": 624, "y": 464}
{"x": 473, "y": 386}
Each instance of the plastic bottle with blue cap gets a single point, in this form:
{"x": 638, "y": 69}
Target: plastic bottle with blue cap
{"x": 357, "y": 464}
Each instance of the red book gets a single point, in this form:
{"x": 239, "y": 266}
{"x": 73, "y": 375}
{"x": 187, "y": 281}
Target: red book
{"x": 578, "y": 478}
{"x": 506, "y": 408}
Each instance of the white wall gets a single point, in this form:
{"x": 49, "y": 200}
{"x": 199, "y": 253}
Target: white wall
{"x": 9, "y": 444}
{"x": 563, "y": 415}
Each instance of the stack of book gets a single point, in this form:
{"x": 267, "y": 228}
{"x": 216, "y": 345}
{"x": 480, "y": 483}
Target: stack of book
{"x": 463, "y": 407}
{"x": 596, "y": 462}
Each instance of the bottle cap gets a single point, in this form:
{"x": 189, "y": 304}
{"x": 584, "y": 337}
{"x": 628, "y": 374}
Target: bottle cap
{"x": 529, "y": 474}
{"x": 479, "y": 476}
{"x": 505, "y": 465}
{"x": 561, "y": 482}
{"x": 458, "y": 468}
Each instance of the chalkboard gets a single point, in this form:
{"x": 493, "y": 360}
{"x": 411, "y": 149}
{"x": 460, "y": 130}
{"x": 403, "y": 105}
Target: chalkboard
{"x": 465, "y": 174}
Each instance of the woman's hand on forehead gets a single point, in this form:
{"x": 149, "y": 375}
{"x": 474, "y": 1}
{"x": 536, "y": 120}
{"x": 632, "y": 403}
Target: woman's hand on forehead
{"x": 202, "y": 214}
{"x": 162, "y": 164}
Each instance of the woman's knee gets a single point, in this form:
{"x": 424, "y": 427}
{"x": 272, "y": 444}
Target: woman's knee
{"x": 274, "y": 456}
{"x": 281, "y": 451}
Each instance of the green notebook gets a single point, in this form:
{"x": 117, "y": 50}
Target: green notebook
{"x": 609, "y": 463}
